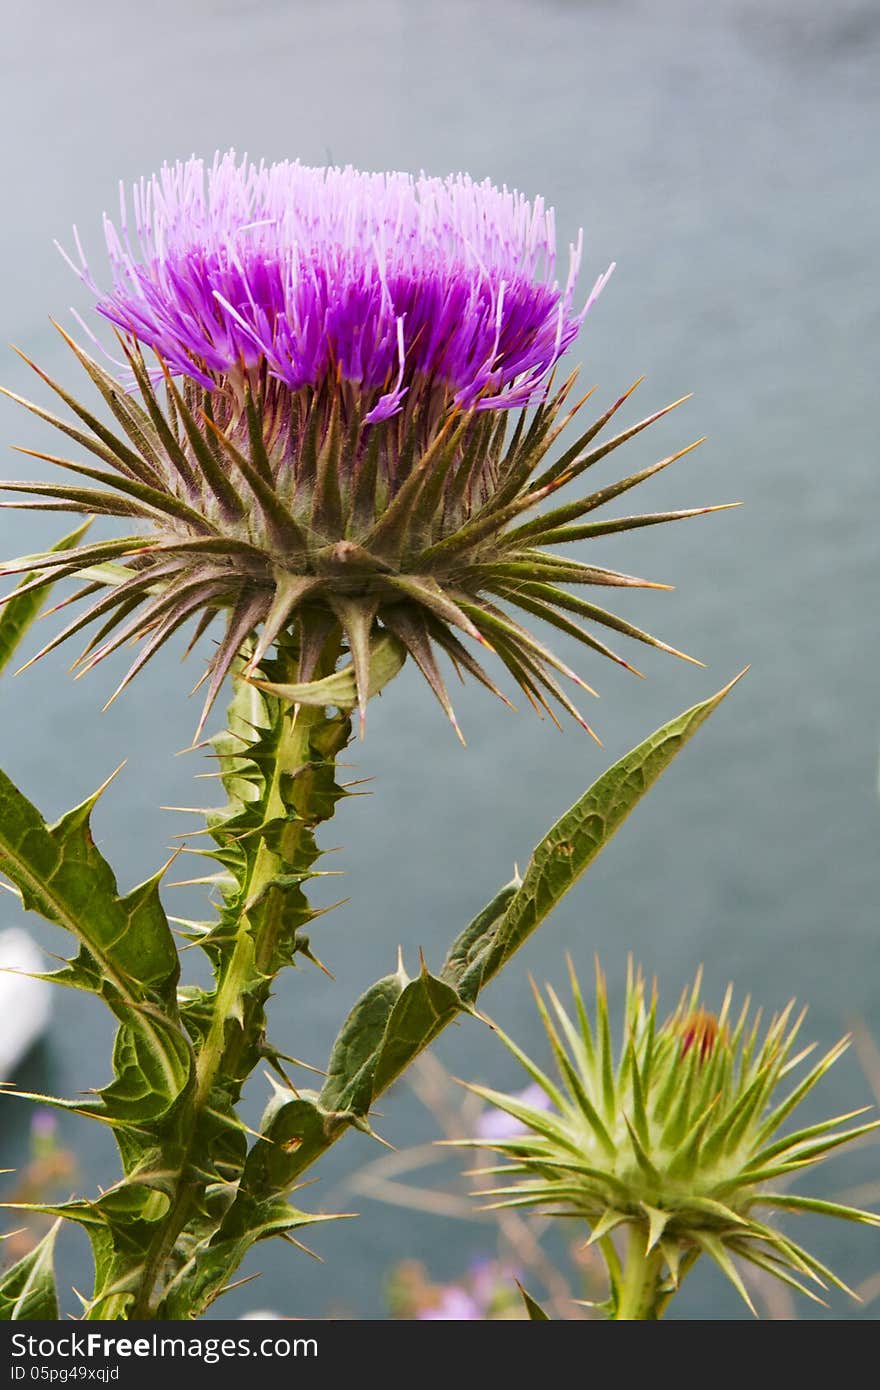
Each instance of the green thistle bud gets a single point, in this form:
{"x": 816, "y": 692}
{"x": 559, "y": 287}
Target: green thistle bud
{"x": 680, "y": 1140}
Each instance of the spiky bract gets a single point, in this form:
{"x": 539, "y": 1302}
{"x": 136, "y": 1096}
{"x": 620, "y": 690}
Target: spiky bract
{"x": 682, "y": 1136}
{"x": 283, "y": 510}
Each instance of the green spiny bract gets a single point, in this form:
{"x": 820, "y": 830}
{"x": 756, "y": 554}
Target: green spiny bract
{"x": 281, "y": 508}
{"x": 679, "y": 1138}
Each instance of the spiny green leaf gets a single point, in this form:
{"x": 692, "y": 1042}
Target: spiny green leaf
{"x": 422, "y": 1010}
{"x": 206, "y": 1274}
{"x": 294, "y": 1129}
{"x": 63, "y": 876}
{"x": 27, "y": 1290}
{"x": 128, "y": 945}
{"x": 349, "y": 1084}
{"x": 578, "y": 837}
{"x": 475, "y": 935}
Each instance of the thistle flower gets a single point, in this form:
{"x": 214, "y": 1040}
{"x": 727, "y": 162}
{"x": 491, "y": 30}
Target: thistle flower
{"x": 681, "y": 1139}
{"x": 340, "y": 354}
{"x": 397, "y": 286}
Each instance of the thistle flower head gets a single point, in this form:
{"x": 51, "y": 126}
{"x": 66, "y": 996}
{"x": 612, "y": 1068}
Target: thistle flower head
{"x": 390, "y": 284}
{"x": 684, "y": 1135}
{"x": 322, "y": 439}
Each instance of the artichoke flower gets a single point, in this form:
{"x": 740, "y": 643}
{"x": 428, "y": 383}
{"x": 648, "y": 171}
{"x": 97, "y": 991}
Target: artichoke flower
{"x": 682, "y": 1140}
{"x": 311, "y": 430}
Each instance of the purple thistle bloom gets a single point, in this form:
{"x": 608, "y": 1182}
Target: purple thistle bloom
{"x": 395, "y": 284}
{"x": 337, "y": 445}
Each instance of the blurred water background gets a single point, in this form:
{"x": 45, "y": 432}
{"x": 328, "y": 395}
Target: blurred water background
{"x": 722, "y": 156}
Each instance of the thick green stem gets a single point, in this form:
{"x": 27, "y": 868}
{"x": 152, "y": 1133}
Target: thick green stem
{"x": 638, "y": 1292}
{"x": 273, "y": 839}
{"x": 256, "y": 943}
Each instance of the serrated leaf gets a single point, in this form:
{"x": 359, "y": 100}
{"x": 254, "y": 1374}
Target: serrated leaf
{"x": 423, "y": 1009}
{"x": 127, "y": 948}
{"x": 151, "y": 1062}
{"x": 97, "y": 1221}
{"x": 63, "y": 876}
{"x": 472, "y": 940}
{"x": 569, "y": 848}
{"x": 353, "y": 1059}
{"x": 27, "y": 1290}
{"x": 295, "y": 1130}
{"x": 209, "y": 1268}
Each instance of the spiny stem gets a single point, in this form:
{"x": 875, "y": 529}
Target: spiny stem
{"x": 255, "y": 947}
{"x": 232, "y": 1042}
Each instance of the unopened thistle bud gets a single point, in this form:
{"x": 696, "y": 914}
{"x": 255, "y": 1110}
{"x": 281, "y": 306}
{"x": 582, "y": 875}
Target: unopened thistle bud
{"x": 321, "y": 433}
{"x": 682, "y": 1138}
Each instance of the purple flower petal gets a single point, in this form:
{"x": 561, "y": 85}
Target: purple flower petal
{"x": 389, "y": 283}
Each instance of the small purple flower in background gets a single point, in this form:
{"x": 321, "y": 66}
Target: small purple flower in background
{"x": 488, "y": 1292}
{"x": 493, "y": 1285}
{"x": 454, "y": 1305}
{"x": 43, "y": 1124}
{"x": 44, "y": 1135}
{"x": 496, "y": 1124}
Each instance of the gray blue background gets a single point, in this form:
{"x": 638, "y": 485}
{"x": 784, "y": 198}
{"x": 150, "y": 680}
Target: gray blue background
{"x": 723, "y": 156}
